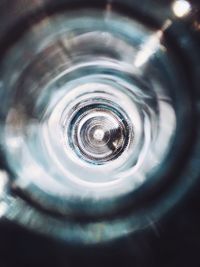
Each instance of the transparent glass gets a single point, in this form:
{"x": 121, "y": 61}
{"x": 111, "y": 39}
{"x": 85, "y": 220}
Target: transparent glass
{"x": 87, "y": 112}
{"x": 96, "y": 115}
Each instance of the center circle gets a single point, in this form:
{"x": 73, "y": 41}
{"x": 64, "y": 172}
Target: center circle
{"x": 98, "y": 133}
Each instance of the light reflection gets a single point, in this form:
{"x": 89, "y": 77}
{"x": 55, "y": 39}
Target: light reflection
{"x": 181, "y": 8}
{"x": 151, "y": 46}
{"x": 3, "y": 208}
{"x": 148, "y": 49}
{"x": 3, "y": 183}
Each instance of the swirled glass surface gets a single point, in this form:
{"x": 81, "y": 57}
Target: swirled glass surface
{"x": 95, "y": 116}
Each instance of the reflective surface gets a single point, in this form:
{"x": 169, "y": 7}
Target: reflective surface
{"x": 89, "y": 104}
{"x": 96, "y": 103}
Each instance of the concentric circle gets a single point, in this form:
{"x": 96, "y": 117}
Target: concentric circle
{"x": 98, "y": 132}
{"x": 92, "y": 122}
